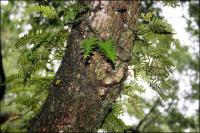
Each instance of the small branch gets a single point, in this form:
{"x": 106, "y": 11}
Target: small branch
{"x": 150, "y": 121}
{"x": 158, "y": 114}
{"x": 147, "y": 115}
{"x": 8, "y": 116}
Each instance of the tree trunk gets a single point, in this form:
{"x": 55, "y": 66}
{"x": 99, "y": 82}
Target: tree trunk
{"x": 82, "y": 93}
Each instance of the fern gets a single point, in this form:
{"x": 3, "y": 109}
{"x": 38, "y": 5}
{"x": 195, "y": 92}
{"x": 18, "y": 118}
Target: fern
{"x": 23, "y": 40}
{"x": 47, "y": 11}
{"x": 31, "y": 38}
{"x": 88, "y": 46}
{"x": 131, "y": 100}
{"x": 108, "y": 48}
{"x": 27, "y": 102}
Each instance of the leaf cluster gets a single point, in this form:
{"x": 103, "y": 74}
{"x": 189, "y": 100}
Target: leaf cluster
{"x": 47, "y": 11}
{"x": 38, "y": 46}
{"x": 151, "y": 53}
{"x": 107, "y": 47}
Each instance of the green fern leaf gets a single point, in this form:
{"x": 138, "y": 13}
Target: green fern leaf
{"x": 88, "y": 45}
{"x": 108, "y": 48}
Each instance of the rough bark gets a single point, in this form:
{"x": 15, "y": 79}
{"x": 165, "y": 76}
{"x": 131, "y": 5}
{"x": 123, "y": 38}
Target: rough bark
{"x": 81, "y": 101}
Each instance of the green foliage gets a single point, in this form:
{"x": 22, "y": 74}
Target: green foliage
{"x": 185, "y": 122}
{"x": 107, "y": 47}
{"x": 193, "y": 8}
{"x": 153, "y": 27}
{"x": 151, "y": 53}
{"x": 88, "y": 46}
{"x": 38, "y": 46}
{"x": 72, "y": 12}
{"x": 132, "y": 91}
{"x": 24, "y": 103}
{"x": 129, "y": 101}
{"x": 47, "y": 11}
{"x": 112, "y": 122}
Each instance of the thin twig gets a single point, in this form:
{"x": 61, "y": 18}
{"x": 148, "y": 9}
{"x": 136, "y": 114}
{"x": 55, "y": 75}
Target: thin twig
{"x": 147, "y": 115}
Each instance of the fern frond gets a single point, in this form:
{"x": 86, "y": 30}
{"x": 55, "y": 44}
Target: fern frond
{"x": 88, "y": 45}
{"x": 45, "y": 38}
{"x": 155, "y": 71}
{"x": 108, "y": 48}
{"x": 47, "y": 11}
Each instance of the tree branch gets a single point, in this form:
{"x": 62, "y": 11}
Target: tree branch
{"x": 147, "y": 115}
{"x": 158, "y": 114}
